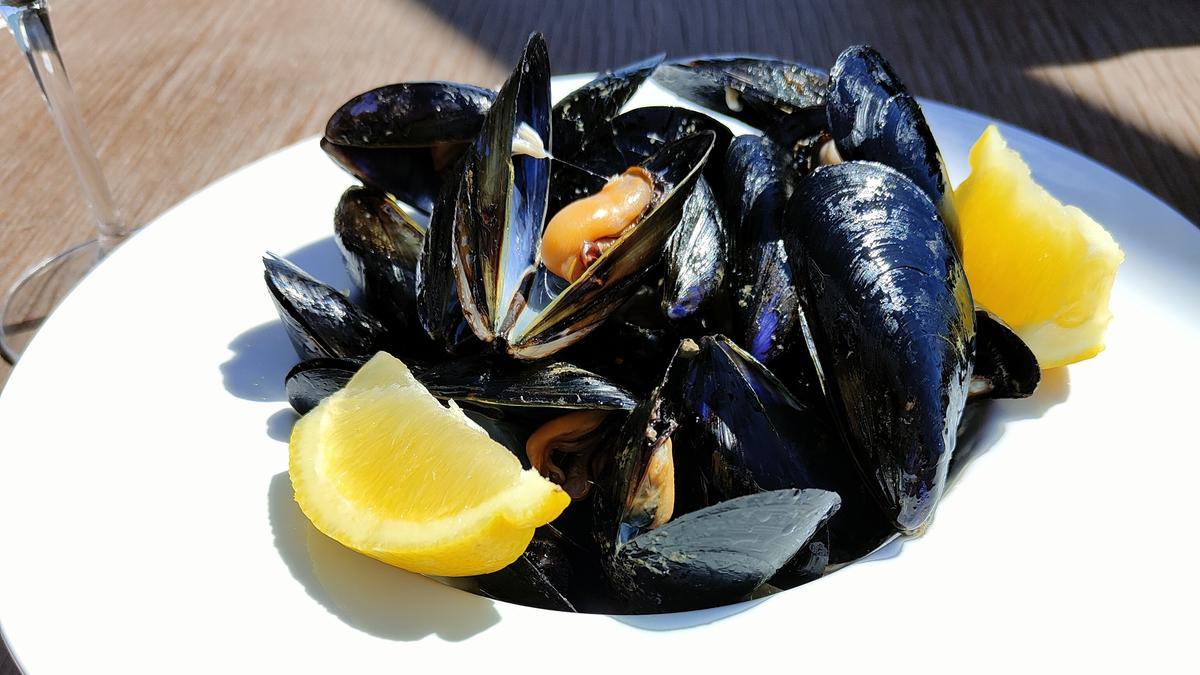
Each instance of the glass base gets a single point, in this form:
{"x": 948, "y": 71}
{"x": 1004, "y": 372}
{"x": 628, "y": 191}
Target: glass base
{"x": 38, "y": 292}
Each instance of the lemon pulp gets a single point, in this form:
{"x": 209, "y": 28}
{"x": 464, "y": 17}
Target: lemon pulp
{"x": 1044, "y": 268}
{"x": 385, "y": 469}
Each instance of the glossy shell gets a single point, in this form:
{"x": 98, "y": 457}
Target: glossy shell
{"x": 696, "y": 259}
{"x": 482, "y": 379}
{"x": 759, "y": 183}
{"x": 381, "y": 246}
{"x": 893, "y": 323}
{"x": 873, "y": 117}
{"x": 782, "y": 98}
{"x": 557, "y": 317}
{"x": 320, "y": 321}
{"x": 1005, "y": 367}
{"x": 401, "y": 138}
{"x": 589, "y": 109}
{"x": 503, "y": 201}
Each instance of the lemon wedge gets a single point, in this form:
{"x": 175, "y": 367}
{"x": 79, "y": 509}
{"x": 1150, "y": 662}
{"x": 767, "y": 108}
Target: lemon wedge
{"x": 1044, "y": 268}
{"x": 385, "y": 469}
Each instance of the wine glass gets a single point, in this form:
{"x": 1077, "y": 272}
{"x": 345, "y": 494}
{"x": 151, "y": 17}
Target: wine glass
{"x": 42, "y": 286}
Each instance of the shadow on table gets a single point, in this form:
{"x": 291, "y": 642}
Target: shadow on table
{"x": 366, "y": 594}
{"x": 957, "y": 52}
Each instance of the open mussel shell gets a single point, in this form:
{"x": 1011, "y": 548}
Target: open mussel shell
{"x": 557, "y": 318}
{"x": 873, "y": 117}
{"x": 696, "y": 259}
{"x": 381, "y": 246}
{"x": 782, "y": 98}
{"x": 503, "y": 200}
{"x": 641, "y": 132}
{"x": 720, "y": 554}
{"x": 320, "y": 321}
{"x": 767, "y": 308}
{"x": 438, "y": 308}
{"x": 1005, "y": 367}
{"x": 480, "y": 379}
{"x": 893, "y": 324}
{"x": 579, "y": 114}
{"x": 401, "y": 138}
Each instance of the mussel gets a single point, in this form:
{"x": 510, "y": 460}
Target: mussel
{"x": 582, "y": 114}
{"x": 873, "y": 117}
{"x": 697, "y": 261}
{"x": 404, "y": 138}
{"x": 381, "y": 245}
{"x": 695, "y": 463}
{"x": 480, "y": 380}
{"x": 767, "y": 310}
{"x": 893, "y": 324}
{"x": 784, "y": 99}
{"x": 1005, "y": 367}
{"x": 508, "y": 298}
{"x": 320, "y": 321}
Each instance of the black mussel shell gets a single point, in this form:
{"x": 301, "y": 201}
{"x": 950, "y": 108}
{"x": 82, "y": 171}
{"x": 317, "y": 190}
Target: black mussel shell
{"x": 438, "y": 307}
{"x": 744, "y": 432}
{"x": 478, "y": 379}
{"x": 626, "y": 352}
{"x": 696, "y": 260}
{"x": 641, "y": 132}
{"x": 758, "y": 185}
{"x": 312, "y": 381}
{"x": 381, "y": 246}
{"x": 496, "y": 381}
{"x": 719, "y": 554}
{"x": 401, "y": 138}
{"x": 541, "y": 577}
{"x": 1005, "y": 367}
{"x": 873, "y": 117}
{"x": 893, "y": 323}
{"x": 782, "y": 98}
{"x": 503, "y": 201}
{"x": 591, "y": 107}
{"x": 320, "y": 321}
{"x": 558, "y": 317}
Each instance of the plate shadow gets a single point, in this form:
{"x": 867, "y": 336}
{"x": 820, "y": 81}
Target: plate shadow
{"x": 366, "y": 594}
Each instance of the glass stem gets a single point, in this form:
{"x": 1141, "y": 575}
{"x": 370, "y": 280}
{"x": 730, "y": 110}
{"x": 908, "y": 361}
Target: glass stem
{"x": 30, "y": 25}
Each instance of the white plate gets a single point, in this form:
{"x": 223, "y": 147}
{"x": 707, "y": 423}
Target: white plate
{"x": 149, "y": 525}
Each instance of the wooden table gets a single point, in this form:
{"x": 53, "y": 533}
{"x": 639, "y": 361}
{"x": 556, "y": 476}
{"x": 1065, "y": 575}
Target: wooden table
{"x": 178, "y": 93}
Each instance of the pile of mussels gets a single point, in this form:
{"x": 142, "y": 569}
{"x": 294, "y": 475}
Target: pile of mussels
{"x": 746, "y": 359}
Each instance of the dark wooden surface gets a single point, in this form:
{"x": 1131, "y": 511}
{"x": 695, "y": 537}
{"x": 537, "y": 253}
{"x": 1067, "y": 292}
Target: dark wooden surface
{"x": 178, "y": 93}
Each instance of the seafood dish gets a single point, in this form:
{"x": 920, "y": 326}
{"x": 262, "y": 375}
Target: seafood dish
{"x": 746, "y": 359}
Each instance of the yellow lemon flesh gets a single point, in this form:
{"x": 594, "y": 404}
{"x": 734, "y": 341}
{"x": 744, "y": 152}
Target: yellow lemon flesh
{"x": 1044, "y": 268}
{"x": 385, "y": 469}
